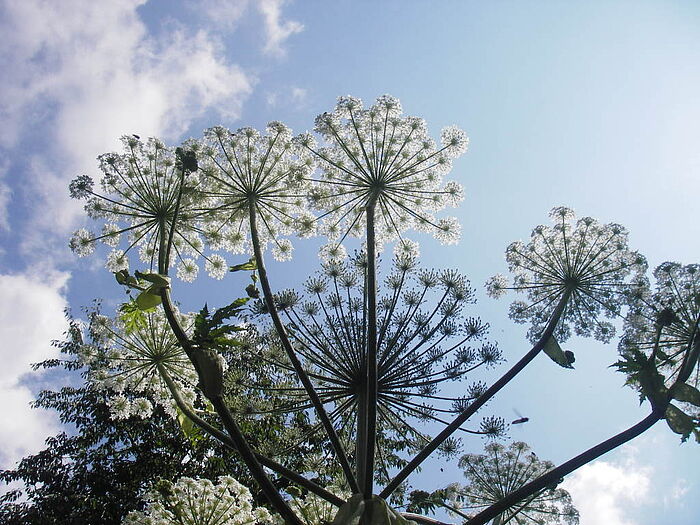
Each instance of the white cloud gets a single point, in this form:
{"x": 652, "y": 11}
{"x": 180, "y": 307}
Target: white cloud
{"x": 31, "y": 315}
{"x": 224, "y": 13}
{"x": 680, "y": 488}
{"x": 293, "y": 96}
{"x": 276, "y": 30}
{"x": 227, "y": 14}
{"x": 83, "y": 73}
{"x": 604, "y": 492}
{"x": 5, "y": 193}
{"x": 299, "y": 95}
{"x": 271, "y": 99}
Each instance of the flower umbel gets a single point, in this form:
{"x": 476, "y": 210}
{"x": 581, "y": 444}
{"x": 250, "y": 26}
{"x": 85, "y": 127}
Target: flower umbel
{"x": 247, "y": 170}
{"x": 660, "y": 345}
{"x": 128, "y": 359}
{"x": 199, "y": 501}
{"x": 587, "y": 260}
{"x": 502, "y": 470}
{"x": 378, "y": 157}
{"x": 422, "y": 342}
{"x": 146, "y": 192}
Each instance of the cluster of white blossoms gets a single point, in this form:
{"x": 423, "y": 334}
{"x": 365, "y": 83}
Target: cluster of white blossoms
{"x": 248, "y": 172}
{"x": 147, "y": 199}
{"x": 379, "y": 157}
{"x": 131, "y": 361}
{"x": 663, "y": 323}
{"x": 494, "y": 475}
{"x": 204, "y": 197}
{"x": 200, "y": 502}
{"x": 315, "y": 510}
{"x": 587, "y": 261}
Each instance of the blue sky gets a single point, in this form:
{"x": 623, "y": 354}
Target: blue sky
{"x": 591, "y": 105}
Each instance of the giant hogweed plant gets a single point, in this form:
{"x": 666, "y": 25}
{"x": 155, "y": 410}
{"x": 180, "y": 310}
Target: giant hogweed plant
{"x": 364, "y": 363}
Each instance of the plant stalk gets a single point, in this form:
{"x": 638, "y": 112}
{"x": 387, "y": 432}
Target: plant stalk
{"x": 553, "y": 476}
{"x": 226, "y": 440}
{"x": 296, "y": 363}
{"x": 367, "y": 413}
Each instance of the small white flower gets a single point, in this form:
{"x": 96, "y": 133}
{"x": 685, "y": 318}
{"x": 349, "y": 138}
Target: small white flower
{"x": 448, "y": 231}
{"x": 187, "y": 270}
{"x": 333, "y": 253}
{"x": 497, "y": 286}
{"x": 110, "y": 231}
{"x": 216, "y": 266}
{"x": 141, "y": 408}
{"x": 282, "y": 250}
{"x": 119, "y": 407}
{"x": 82, "y": 243}
{"x": 454, "y": 140}
{"x": 117, "y": 260}
{"x": 407, "y": 248}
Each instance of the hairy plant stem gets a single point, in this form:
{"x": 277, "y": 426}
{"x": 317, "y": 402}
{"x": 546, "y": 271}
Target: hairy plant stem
{"x": 481, "y": 400}
{"x": 422, "y": 519}
{"x": 553, "y": 476}
{"x": 367, "y": 399}
{"x": 232, "y": 428}
{"x": 296, "y": 363}
{"x": 226, "y": 440}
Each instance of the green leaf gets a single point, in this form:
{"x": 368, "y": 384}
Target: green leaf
{"x": 133, "y": 317}
{"x": 210, "y": 331}
{"x": 162, "y": 281}
{"x": 687, "y": 393}
{"x": 651, "y": 383}
{"x": 191, "y": 431}
{"x": 149, "y": 298}
{"x": 678, "y": 421}
{"x": 556, "y": 354}
{"x": 250, "y": 265}
{"x": 122, "y": 276}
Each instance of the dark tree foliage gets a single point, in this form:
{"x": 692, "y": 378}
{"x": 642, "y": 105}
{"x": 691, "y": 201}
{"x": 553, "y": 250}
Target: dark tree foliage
{"x": 97, "y": 472}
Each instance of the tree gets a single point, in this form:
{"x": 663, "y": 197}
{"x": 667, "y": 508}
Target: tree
{"x": 121, "y": 442}
{"x": 376, "y": 175}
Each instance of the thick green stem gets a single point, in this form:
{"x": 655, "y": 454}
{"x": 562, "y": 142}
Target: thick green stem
{"x": 422, "y": 519}
{"x": 367, "y": 401}
{"x": 232, "y": 428}
{"x": 236, "y": 436}
{"x": 480, "y": 401}
{"x": 553, "y": 476}
{"x": 251, "y": 461}
{"x": 296, "y": 363}
{"x": 226, "y": 440}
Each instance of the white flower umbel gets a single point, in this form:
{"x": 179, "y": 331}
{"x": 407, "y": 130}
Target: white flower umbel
{"x": 424, "y": 342}
{"x": 587, "y": 260}
{"x": 379, "y": 157}
{"x": 247, "y": 171}
{"x": 199, "y": 502}
{"x": 129, "y": 361}
{"x": 663, "y": 324}
{"x": 141, "y": 189}
{"x": 499, "y": 472}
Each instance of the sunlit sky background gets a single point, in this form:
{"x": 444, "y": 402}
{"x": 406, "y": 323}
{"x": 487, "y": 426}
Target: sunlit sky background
{"x": 593, "y": 105}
